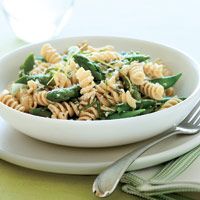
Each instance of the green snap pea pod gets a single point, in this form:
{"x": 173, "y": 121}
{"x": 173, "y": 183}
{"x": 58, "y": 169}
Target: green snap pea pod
{"x": 167, "y": 81}
{"x": 88, "y": 65}
{"x": 126, "y": 114}
{"x": 132, "y": 88}
{"x": 136, "y": 57}
{"x": 44, "y": 79}
{"x": 123, "y": 107}
{"x": 149, "y": 110}
{"x": 145, "y": 103}
{"x": 64, "y": 94}
{"x": 40, "y": 58}
{"x": 43, "y": 112}
{"x": 135, "y": 92}
{"x": 165, "y": 99}
{"x": 28, "y": 64}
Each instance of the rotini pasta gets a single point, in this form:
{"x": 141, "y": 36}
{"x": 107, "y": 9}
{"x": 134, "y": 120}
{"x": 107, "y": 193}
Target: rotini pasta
{"x": 87, "y": 84}
{"x": 40, "y": 68}
{"x": 32, "y": 86}
{"x": 86, "y": 47}
{"x": 154, "y": 91}
{"x": 40, "y": 98}
{"x": 170, "y": 92}
{"x": 136, "y": 73}
{"x": 89, "y": 114}
{"x": 50, "y": 54}
{"x": 153, "y": 70}
{"x": 61, "y": 80}
{"x": 172, "y": 102}
{"x": 63, "y": 110}
{"x": 27, "y": 101}
{"x": 11, "y": 101}
{"x": 91, "y": 83}
{"x": 106, "y": 56}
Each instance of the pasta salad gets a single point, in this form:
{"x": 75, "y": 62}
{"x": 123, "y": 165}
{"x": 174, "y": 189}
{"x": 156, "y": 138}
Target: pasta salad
{"x": 88, "y": 83}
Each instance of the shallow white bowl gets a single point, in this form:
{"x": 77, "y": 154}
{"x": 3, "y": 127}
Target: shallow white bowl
{"x": 106, "y": 132}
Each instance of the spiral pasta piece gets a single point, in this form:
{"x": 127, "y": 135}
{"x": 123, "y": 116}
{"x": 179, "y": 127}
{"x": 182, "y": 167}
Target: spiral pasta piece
{"x": 27, "y": 101}
{"x": 11, "y": 101}
{"x": 32, "y": 86}
{"x": 40, "y": 68}
{"x": 40, "y": 98}
{"x": 86, "y": 47}
{"x": 108, "y": 96}
{"x": 71, "y": 69}
{"x": 113, "y": 82}
{"x": 127, "y": 98}
{"x": 50, "y": 54}
{"x": 152, "y": 90}
{"x": 89, "y": 114}
{"x": 170, "y": 92}
{"x": 153, "y": 70}
{"x": 105, "y": 56}
{"x": 63, "y": 110}
{"x": 103, "y": 94}
{"x": 86, "y": 83}
{"x": 103, "y": 100}
{"x": 166, "y": 71}
{"x": 172, "y": 102}
{"x": 136, "y": 73}
{"x": 61, "y": 80}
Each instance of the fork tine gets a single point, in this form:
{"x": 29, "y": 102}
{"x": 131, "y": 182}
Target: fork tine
{"x": 192, "y": 113}
{"x": 197, "y": 123}
{"x": 195, "y": 116}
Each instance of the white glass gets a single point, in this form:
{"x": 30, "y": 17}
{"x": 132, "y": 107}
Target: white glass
{"x": 37, "y": 20}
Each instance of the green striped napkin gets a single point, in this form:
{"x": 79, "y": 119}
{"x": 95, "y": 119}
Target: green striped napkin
{"x": 166, "y": 182}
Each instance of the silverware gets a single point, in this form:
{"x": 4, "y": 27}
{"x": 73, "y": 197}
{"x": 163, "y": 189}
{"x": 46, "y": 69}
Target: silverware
{"x": 107, "y": 181}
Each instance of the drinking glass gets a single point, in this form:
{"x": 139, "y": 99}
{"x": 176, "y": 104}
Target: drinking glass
{"x": 37, "y": 20}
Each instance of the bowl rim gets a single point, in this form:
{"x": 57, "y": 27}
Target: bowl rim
{"x": 87, "y": 37}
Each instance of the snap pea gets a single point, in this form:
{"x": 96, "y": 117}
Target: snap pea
{"x": 123, "y": 107}
{"x": 132, "y": 88}
{"x": 167, "y": 81}
{"x": 64, "y": 94}
{"x": 149, "y": 110}
{"x": 44, "y": 79}
{"x": 126, "y": 114}
{"x": 28, "y": 64}
{"x": 145, "y": 103}
{"x": 40, "y": 58}
{"x": 136, "y": 57}
{"x": 42, "y": 112}
{"x": 165, "y": 99}
{"x": 88, "y": 65}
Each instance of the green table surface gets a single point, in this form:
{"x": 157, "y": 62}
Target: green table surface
{"x": 25, "y": 184}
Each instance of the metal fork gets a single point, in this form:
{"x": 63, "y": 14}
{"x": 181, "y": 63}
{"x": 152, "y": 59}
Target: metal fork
{"x": 107, "y": 181}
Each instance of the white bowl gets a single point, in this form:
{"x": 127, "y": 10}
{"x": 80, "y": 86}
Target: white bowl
{"x": 104, "y": 133}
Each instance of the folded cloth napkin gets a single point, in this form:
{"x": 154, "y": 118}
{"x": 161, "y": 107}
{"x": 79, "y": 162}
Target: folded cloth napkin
{"x": 167, "y": 181}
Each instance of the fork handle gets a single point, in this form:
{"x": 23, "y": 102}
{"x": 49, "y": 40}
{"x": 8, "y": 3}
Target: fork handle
{"x": 107, "y": 181}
